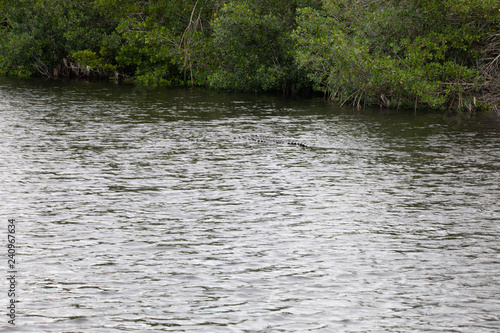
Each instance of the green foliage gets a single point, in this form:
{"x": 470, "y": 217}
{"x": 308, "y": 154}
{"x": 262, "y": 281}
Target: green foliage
{"x": 90, "y": 62}
{"x": 253, "y": 46}
{"x": 250, "y": 47}
{"x": 163, "y": 41}
{"x": 39, "y": 34}
{"x": 395, "y": 53}
{"x": 437, "y": 53}
{"x": 146, "y": 48}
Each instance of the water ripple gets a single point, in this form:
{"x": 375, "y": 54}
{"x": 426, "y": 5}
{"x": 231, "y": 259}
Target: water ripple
{"x": 133, "y": 216}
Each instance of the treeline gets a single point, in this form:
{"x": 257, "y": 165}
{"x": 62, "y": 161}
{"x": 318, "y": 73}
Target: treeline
{"x": 442, "y": 54}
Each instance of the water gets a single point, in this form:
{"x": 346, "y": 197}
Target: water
{"x": 140, "y": 210}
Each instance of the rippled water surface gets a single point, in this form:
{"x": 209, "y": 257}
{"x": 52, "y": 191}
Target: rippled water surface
{"x": 150, "y": 210}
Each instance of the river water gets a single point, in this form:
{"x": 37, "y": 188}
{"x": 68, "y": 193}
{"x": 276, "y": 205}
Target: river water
{"x": 149, "y": 210}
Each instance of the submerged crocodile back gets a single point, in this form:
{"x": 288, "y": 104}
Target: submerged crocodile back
{"x": 263, "y": 139}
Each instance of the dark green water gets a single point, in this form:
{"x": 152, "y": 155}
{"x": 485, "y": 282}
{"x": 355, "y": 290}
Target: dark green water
{"x": 143, "y": 210}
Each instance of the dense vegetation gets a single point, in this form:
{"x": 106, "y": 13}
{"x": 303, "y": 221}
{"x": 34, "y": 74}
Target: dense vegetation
{"x": 396, "y": 53}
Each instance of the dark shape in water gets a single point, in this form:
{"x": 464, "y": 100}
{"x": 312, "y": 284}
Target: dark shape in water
{"x": 264, "y": 139}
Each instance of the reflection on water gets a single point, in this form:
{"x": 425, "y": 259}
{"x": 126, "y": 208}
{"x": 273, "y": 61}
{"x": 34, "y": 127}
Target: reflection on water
{"x": 136, "y": 211}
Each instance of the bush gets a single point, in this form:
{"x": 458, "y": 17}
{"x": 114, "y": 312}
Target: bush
{"x": 38, "y": 35}
{"x": 395, "y": 53}
{"x": 437, "y": 53}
